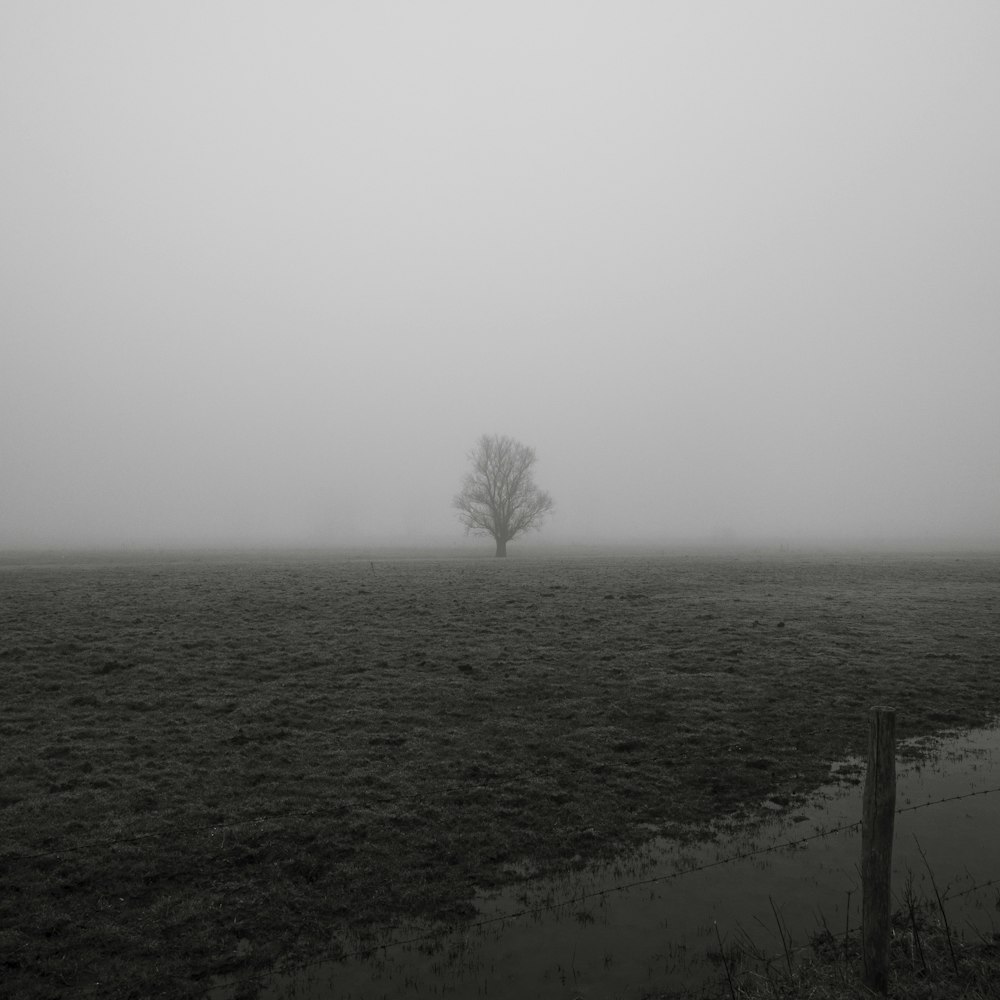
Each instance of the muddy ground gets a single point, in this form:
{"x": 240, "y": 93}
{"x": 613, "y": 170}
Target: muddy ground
{"x": 209, "y": 764}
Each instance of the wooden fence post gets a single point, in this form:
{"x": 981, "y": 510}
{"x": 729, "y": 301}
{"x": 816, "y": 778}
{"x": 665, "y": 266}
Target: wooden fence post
{"x": 876, "y": 846}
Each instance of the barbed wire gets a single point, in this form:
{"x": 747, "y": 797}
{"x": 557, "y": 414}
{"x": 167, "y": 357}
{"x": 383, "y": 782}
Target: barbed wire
{"x": 552, "y": 906}
{"x": 949, "y": 798}
{"x": 467, "y": 927}
{"x": 546, "y": 907}
{"x": 948, "y": 894}
{"x": 230, "y": 824}
{"x": 761, "y": 958}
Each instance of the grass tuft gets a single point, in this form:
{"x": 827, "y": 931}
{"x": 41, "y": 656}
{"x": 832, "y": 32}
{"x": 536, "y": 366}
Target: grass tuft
{"x": 928, "y": 961}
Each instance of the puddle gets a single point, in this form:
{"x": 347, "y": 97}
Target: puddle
{"x": 659, "y": 934}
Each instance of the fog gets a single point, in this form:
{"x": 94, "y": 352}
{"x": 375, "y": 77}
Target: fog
{"x": 267, "y": 271}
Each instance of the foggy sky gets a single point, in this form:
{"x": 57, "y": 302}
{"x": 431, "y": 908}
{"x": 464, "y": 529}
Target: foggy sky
{"x": 268, "y": 270}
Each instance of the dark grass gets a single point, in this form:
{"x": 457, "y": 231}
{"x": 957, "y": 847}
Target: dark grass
{"x": 927, "y": 961}
{"x": 289, "y": 750}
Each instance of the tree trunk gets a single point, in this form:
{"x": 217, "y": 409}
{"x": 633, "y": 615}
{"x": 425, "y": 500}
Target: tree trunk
{"x": 501, "y": 547}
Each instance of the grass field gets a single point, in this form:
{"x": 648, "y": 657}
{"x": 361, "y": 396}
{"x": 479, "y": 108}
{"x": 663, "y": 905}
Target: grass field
{"x": 212, "y": 763}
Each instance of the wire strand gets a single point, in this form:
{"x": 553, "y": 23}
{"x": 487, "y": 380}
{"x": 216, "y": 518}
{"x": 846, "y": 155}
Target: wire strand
{"x": 85, "y": 846}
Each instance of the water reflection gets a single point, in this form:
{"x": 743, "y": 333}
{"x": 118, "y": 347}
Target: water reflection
{"x": 660, "y": 934}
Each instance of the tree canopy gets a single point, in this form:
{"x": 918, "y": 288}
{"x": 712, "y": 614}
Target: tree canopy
{"x": 499, "y": 496}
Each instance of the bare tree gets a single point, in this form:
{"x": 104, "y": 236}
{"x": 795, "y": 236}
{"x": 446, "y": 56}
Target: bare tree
{"x": 499, "y": 496}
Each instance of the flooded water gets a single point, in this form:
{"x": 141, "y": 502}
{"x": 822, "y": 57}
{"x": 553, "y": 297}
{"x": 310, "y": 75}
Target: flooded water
{"x": 584, "y": 937}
